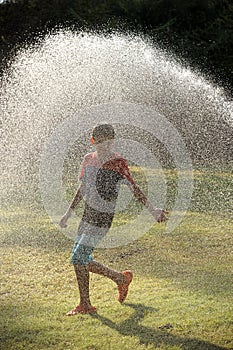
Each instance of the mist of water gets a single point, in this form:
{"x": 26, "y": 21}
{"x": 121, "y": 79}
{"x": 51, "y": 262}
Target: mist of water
{"x": 67, "y": 72}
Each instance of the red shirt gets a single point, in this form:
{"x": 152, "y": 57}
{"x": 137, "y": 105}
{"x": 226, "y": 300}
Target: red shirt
{"x": 102, "y": 184}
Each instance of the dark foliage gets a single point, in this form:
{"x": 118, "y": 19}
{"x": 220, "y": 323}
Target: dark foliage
{"x": 198, "y": 31}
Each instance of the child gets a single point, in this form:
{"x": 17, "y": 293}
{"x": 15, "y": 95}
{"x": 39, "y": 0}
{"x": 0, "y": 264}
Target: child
{"x": 101, "y": 174}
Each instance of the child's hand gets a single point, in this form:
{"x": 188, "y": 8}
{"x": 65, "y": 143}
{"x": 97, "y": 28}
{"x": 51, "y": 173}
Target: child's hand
{"x": 160, "y": 215}
{"x": 63, "y": 222}
{"x": 64, "y": 219}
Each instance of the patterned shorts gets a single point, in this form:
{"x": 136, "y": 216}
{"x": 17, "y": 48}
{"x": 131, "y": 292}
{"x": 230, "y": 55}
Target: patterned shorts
{"x": 83, "y": 249}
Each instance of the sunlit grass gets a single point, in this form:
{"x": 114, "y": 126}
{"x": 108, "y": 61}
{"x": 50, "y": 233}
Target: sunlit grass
{"x": 181, "y": 296}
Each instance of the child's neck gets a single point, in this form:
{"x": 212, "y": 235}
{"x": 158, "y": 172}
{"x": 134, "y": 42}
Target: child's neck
{"x": 103, "y": 154}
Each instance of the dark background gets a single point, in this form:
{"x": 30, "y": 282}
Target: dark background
{"x": 199, "y": 32}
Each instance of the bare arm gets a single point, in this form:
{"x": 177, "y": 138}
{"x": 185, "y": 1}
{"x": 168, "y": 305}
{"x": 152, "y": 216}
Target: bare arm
{"x": 158, "y": 214}
{"x": 75, "y": 201}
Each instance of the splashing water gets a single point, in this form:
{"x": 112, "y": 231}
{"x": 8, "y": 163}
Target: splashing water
{"x": 67, "y": 73}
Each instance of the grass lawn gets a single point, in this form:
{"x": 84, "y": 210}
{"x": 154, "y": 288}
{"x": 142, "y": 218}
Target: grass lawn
{"x": 181, "y": 296}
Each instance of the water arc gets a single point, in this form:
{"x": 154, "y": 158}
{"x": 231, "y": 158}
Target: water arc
{"x": 68, "y": 72}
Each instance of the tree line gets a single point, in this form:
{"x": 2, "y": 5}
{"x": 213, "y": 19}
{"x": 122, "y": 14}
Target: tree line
{"x": 198, "y": 31}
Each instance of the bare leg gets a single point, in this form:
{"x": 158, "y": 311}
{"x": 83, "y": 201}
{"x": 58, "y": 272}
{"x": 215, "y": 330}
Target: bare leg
{"x": 122, "y": 279}
{"x": 116, "y": 276}
{"x": 82, "y": 275}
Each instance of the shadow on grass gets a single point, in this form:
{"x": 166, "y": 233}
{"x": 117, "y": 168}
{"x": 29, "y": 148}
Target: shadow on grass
{"x": 157, "y": 337}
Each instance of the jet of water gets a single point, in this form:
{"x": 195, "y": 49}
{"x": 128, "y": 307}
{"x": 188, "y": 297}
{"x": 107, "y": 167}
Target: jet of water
{"x": 67, "y": 72}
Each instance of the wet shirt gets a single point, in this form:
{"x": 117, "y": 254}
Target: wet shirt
{"x": 102, "y": 185}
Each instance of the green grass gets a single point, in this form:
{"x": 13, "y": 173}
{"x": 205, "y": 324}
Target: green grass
{"x": 181, "y": 296}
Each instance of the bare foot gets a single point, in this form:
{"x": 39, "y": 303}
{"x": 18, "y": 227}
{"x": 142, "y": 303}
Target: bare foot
{"x": 80, "y": 309}
{"x": 123, "y": 288}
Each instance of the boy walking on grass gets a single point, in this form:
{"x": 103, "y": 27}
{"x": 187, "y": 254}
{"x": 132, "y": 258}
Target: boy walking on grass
{"x": 101, "y": 175}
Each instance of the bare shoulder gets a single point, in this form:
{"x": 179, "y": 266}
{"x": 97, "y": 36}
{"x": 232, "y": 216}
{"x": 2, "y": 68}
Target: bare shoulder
{"x": 89, "y": 157}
